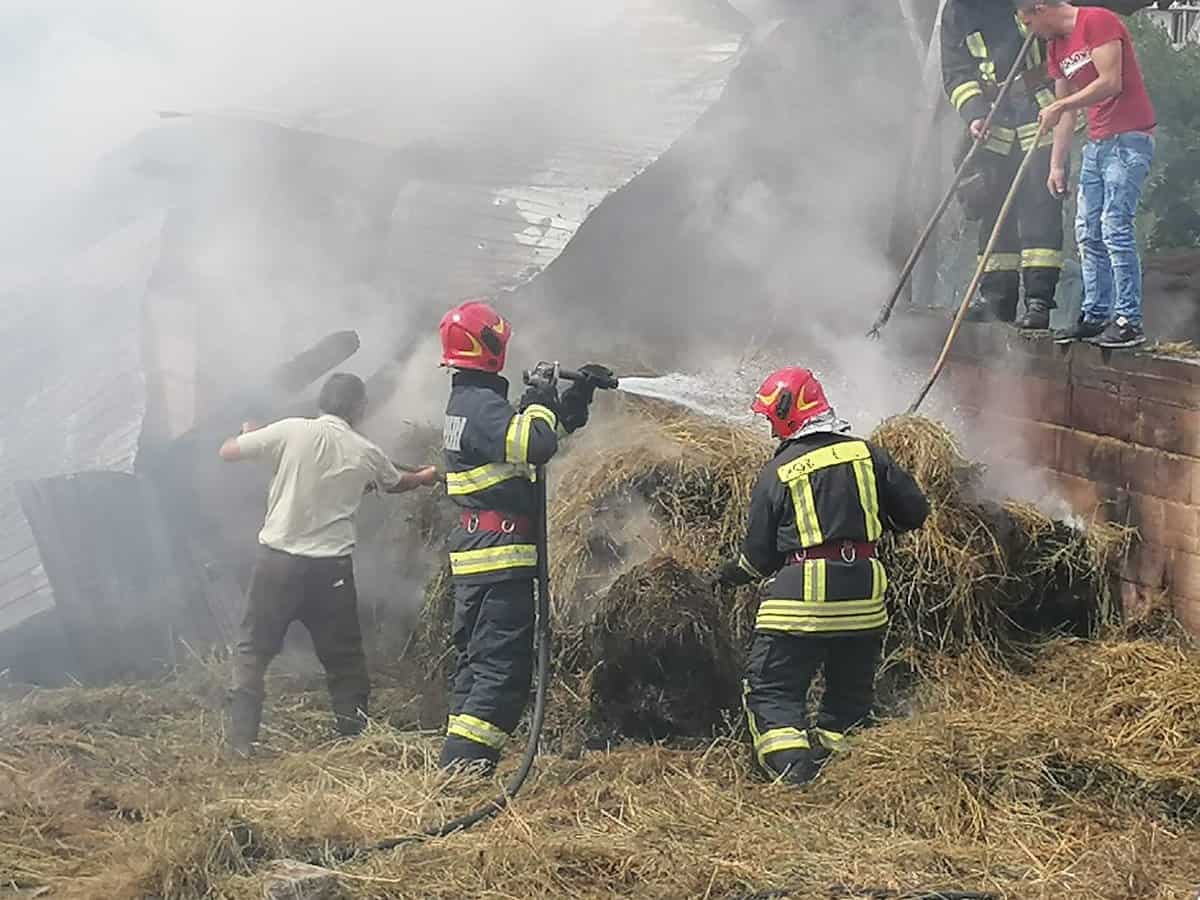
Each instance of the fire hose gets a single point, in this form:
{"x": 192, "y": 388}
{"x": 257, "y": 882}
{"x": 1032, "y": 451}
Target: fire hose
{"x": 543, "y": 373}
{"x": 886, "y": 312}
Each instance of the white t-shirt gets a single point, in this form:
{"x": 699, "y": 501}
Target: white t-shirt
{"x": 322, "y": 467}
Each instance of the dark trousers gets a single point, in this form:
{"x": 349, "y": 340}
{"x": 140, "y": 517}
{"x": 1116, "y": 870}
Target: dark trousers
{"x": 319, "y": 593}
{"x": 781, "y": 669}
{"x": 493, "y": 634}
{"x": 1032, "y": 233}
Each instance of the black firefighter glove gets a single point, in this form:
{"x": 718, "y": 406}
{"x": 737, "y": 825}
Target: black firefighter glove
{"x": 729, "y": 574}
{"x": 578, "y": 397}
{"x": 541, "y": 393}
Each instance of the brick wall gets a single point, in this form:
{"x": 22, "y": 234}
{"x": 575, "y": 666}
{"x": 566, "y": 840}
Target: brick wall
{"x": 1114, "y": 434}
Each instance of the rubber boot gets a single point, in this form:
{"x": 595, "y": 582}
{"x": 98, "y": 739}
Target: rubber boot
{"x": 1037, "y": 315}
{"x": 245, "y": 714}
{"x": 462, "y": 755}
{"x": 350, "y": 716}
{"x": 1001, "y": 291}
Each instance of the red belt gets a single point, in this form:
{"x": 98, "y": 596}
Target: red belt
{"x": 502, "y": 523}
{"x": 839, "y": 551}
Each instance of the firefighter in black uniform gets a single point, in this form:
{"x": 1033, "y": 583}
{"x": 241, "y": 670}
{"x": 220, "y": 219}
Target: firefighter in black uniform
{"x": 980, "y": 43}
{"x": 491, "y": 450}
{"x": 815, "y": 514}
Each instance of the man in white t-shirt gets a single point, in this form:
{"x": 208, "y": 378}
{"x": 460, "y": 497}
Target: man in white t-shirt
{"x": 322, "y": 468}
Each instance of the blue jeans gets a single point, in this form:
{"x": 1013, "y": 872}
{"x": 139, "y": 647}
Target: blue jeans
{"x": 1110, "y": 186}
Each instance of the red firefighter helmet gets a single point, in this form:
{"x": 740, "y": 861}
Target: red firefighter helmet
{"x": 789, "y": 398}
{"x": 474, "y": 336}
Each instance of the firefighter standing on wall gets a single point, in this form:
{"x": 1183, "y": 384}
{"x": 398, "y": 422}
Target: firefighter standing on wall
{"x": 491, "y": 450}
{"x": 980, "y": 43}
{"x": 815, "y": 514}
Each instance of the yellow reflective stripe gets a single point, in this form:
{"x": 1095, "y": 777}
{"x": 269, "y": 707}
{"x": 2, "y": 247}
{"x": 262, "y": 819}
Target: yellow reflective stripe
{"x": 777, "y": 606}
{"x": 778, "y": 739}
{"x": 520, "y": 427}
{"x": 1003, "y": 262}
{"x": 748, "y": 567}
{"x": 819, "y": 624}
{"x": 537, "y": 411}
{"x": 1003, "y": 133}
{"x": 968, "y": 90}
{"x": 796, "y": 475}
{"x": 839, "y": 615}
{"x": 1044, "y": 97}
{"x": 483, "y": 477}
{"x": 879, "y": 580}
{"x": 841, "y": 452}
{"x": 516, "y": 440}
{"x": 814, "y": 581}
{"x": 493, "y": 559}
{"x": 1046, "y": 258}
{"x": 807, "y": 524}
{"x": 831, "y": 740}
{"x": 976, "y": 45}
{"x": 864, "y": 474}
{"x": 477, "y": 730}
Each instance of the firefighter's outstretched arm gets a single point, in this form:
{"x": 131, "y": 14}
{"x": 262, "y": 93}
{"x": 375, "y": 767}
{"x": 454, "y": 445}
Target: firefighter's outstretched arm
{"x": 759, "y": 557}
{"x": 903, "y": 504}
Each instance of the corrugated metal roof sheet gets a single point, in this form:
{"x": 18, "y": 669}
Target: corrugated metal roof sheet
{"x": 71, "y": 389}
{"x": 500, "y": 211}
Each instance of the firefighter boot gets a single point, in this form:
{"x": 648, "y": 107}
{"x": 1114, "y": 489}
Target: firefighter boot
{"x": 350, "y": 715}
{"x": 460, "y": 754}
{"x": 1001, "y": 290}
{"x": 1040, "y": 284}
{"x": 1037, "y": 315}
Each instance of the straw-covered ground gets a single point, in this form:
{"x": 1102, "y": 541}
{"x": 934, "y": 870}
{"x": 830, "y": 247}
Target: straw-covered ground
{"x": 1021, "y": 766}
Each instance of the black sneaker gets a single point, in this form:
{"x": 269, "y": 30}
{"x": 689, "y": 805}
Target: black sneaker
{"x": 1083, "y": 330}
{"x": 1121, "y": 333}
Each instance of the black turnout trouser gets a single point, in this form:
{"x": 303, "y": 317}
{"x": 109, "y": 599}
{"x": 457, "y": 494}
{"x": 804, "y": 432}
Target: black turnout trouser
{"x": 780, "y": 671}
{"x": 1030, "y": 243}
{"x": 320, "y": 594}
{"x": 493, "y": 634}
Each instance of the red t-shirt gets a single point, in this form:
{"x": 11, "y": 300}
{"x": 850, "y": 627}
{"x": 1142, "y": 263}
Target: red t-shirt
{"x": 1070, "y": 57}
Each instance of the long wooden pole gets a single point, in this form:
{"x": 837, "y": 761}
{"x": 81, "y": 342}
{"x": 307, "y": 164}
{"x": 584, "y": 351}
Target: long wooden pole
{"x": 886, "y": 312}
{"x": 979, "y": 269}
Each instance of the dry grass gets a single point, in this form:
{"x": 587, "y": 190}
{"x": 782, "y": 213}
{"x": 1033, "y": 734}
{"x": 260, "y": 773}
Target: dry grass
{"x": 1075, "y": 773}
{"x": 1078, "y": 779}
{"x": 1178, "y": 349}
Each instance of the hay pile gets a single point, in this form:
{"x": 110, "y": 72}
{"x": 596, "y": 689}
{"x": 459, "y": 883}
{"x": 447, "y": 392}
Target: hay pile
{"x": 981, "y": 573}
{"x": 674, "y": 489}
{"x": 1079, "y": 778}
{"x": 664, "y": 669}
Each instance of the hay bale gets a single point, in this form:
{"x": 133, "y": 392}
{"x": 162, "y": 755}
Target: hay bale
{"x": 664, "y": 662}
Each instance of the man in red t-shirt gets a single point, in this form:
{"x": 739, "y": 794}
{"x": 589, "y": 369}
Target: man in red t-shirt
{"x": 1090, "y": 55}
